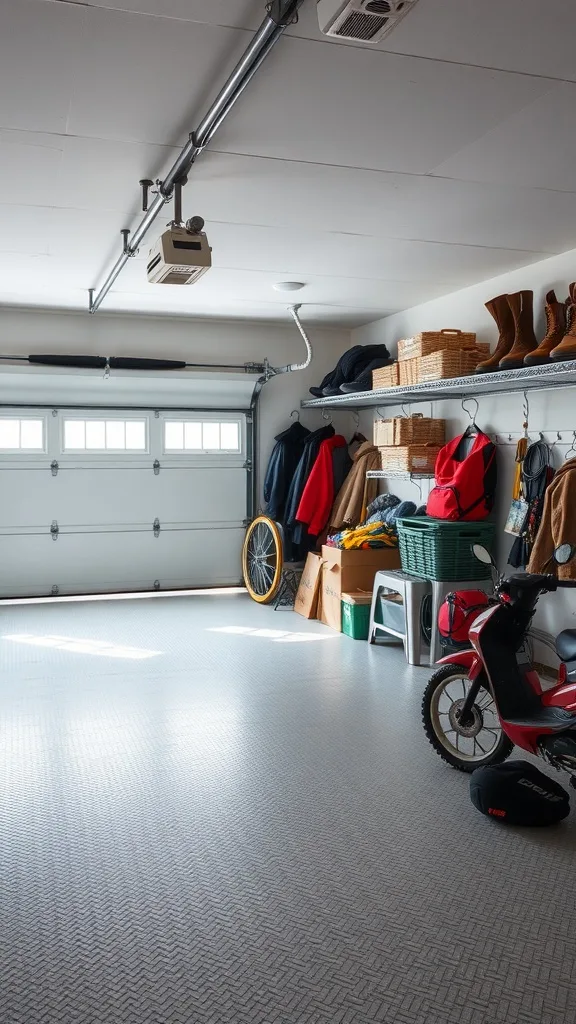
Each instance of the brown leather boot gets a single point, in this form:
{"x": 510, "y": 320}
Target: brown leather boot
{"x": 522, "y": 306}
{"x": 555, "y": 331}
{"x": 567, "y": 347}
{"x": 500, "y": 310}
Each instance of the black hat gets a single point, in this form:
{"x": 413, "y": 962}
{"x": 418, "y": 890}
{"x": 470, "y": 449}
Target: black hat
{"x": 518, "y": 793}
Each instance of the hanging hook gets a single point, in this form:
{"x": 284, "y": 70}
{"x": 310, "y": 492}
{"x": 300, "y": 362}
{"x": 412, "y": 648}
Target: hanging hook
{"x": 356, "y": 419}
{"x": 525, "y": 414}
{"x": 417, "y": 483}
{"x": 296, "y": 413}
{"x": 326, "y": 416}
{"x": 467, "y": 411}
{"x": 404, "y": 407}
{"x": 572, "y": 447}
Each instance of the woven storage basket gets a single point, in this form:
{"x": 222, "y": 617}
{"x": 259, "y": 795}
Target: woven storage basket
{"x": 433, "y": 341}
{"x": 383, "y": 433}
{"x": 385, "y": 377}
{"x": 438, "y": 550}
{"x": 442, "y": 365}
{"x": 418, "y": 429}
{"x": 411, "y": 458}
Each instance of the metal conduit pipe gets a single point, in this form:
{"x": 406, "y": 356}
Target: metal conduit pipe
{"x": 281, "y": 13}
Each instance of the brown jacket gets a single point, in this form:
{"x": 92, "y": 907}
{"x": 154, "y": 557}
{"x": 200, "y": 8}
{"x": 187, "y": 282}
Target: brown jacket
{"x": 558, "y": 524}
{"x": 356, "y": 492}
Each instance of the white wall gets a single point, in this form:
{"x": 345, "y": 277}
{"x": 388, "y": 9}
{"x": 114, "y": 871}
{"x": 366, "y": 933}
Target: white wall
{"x": 23, "y": 332}
{"x": 549, "y": 411}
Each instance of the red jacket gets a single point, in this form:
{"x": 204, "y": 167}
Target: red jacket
{"x": 318, "y": 494}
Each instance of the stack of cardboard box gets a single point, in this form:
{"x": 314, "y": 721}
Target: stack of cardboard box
{"x": 335, "y": 572}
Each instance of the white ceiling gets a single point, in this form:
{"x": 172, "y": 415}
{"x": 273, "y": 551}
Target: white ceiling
{"x": 381, "y": 177}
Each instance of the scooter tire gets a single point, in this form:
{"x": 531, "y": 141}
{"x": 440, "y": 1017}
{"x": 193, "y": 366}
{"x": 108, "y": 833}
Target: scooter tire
{"x": 497, "y": 755}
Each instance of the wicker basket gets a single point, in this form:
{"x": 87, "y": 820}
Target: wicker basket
{"x": 434, "y": 341}
{"x": 418, "y": 429}
{"x": 442, "y": 365}
{"x": 385, "y": 377}
{"x": 383, "y": 433}
{"x": 412, "y": 458}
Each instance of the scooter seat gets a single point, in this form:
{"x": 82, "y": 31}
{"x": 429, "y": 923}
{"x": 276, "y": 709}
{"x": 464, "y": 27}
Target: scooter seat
{"x": 566, "y": 645}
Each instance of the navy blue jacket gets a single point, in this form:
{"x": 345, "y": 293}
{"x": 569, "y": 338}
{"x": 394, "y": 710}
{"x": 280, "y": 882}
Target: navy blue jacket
{"x": 282, "y": 464}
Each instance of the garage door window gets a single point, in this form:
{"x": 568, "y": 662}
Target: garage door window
{"x": 104, "y": 435}
{"x": 202, "y": 436}
{"x": 26, "y": 435}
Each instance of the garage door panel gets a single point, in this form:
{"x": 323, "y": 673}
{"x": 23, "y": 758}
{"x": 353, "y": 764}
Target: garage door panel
{"x": 78, "y": 563}
{"x": 34, "y": 498}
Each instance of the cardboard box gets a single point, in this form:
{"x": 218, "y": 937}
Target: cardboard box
{"x": 346, "y": 571}
{"x": 306, "y": 602}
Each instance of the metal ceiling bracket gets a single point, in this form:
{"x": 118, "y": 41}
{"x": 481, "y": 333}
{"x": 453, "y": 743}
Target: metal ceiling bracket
{"x": 145, "y": 184}
{"x": 54, "y": 530}
{"x": 156, "y": 527}
{"x": 55, "y": 591}
{"x": 125, "y": 232}
{"x": 282, "y": 13}
{"x": 54, "y": 467}
{"x": 156, "y": 467}
{"x": 156, "y": 584}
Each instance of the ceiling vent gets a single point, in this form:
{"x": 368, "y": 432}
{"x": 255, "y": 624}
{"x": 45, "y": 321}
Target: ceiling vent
{"x": 366, "y": 21}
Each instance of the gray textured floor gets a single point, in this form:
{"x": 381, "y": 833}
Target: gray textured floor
{"x": 252, "y": 828}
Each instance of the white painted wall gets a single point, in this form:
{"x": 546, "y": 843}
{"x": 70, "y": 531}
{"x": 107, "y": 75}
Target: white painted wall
{"x": 549, "y": 411}
{"x": 23, "y": 332}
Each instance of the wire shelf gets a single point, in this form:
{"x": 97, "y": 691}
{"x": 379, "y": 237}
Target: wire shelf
{"x": 529, "y": 378}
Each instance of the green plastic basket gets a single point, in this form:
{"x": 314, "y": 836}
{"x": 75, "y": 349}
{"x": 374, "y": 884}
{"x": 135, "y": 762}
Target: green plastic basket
{"x": 436, "y": 549}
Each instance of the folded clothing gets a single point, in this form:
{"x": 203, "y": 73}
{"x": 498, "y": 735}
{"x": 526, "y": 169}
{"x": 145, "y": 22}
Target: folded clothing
{"x": 381, "y": 502}
{"x": 364, "y": 381}
{"x": 349, "y": 367}
{"x": 373, "y": 535}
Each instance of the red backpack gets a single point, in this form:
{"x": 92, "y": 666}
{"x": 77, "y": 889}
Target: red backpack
{"x": 458, "y": 612}
{"x": 465, "y": 478}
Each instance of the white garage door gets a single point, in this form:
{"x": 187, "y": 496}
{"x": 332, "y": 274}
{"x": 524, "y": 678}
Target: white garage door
{"x": 114, "y": 500}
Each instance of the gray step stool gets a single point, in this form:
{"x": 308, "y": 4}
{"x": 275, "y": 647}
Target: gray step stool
{"x": 413, "y": 591}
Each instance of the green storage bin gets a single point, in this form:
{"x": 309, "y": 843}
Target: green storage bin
{"x": 436, "y": 549}
{"x": 356, "y": 616}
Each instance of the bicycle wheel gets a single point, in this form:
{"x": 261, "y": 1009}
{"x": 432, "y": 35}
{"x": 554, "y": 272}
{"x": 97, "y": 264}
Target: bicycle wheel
{"x": 262, "y": 558}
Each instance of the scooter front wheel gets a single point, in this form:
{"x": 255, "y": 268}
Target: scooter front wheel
{"x": 464, "y": 745}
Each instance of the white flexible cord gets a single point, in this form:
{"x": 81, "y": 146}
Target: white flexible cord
{"x": 293, "y": 310}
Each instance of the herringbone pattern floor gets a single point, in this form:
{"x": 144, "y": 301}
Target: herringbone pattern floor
{"x": 248, "y": 828}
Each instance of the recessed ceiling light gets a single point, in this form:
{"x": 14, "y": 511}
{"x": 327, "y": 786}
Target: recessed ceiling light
{"x": 288, "y": 286}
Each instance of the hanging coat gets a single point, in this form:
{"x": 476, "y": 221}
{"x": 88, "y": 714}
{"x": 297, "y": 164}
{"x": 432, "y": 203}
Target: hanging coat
{"x": 282, "y": 464}
{"x": 318, "y": 494}
{"x": 295, "y": 535}
{"x": 558, "y": 524}
{"x": 357, "y": 491}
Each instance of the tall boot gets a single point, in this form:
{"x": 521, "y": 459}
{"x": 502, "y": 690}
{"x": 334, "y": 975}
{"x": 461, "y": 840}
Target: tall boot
{"x": 567, "y": 347}
{"x": 555, "y": 331}
{"x": 500, "y": 310}
{"x": 522, "y": 306}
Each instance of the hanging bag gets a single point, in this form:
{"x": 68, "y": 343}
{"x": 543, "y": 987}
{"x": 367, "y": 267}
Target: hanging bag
{"x": 465, "y": 477}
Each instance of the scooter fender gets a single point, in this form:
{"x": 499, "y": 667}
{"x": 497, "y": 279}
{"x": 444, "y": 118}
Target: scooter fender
{"x": 469, "y": 659}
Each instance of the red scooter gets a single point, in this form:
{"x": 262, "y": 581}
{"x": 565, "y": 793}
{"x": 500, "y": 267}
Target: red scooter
{"x": 482, "y": 702}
